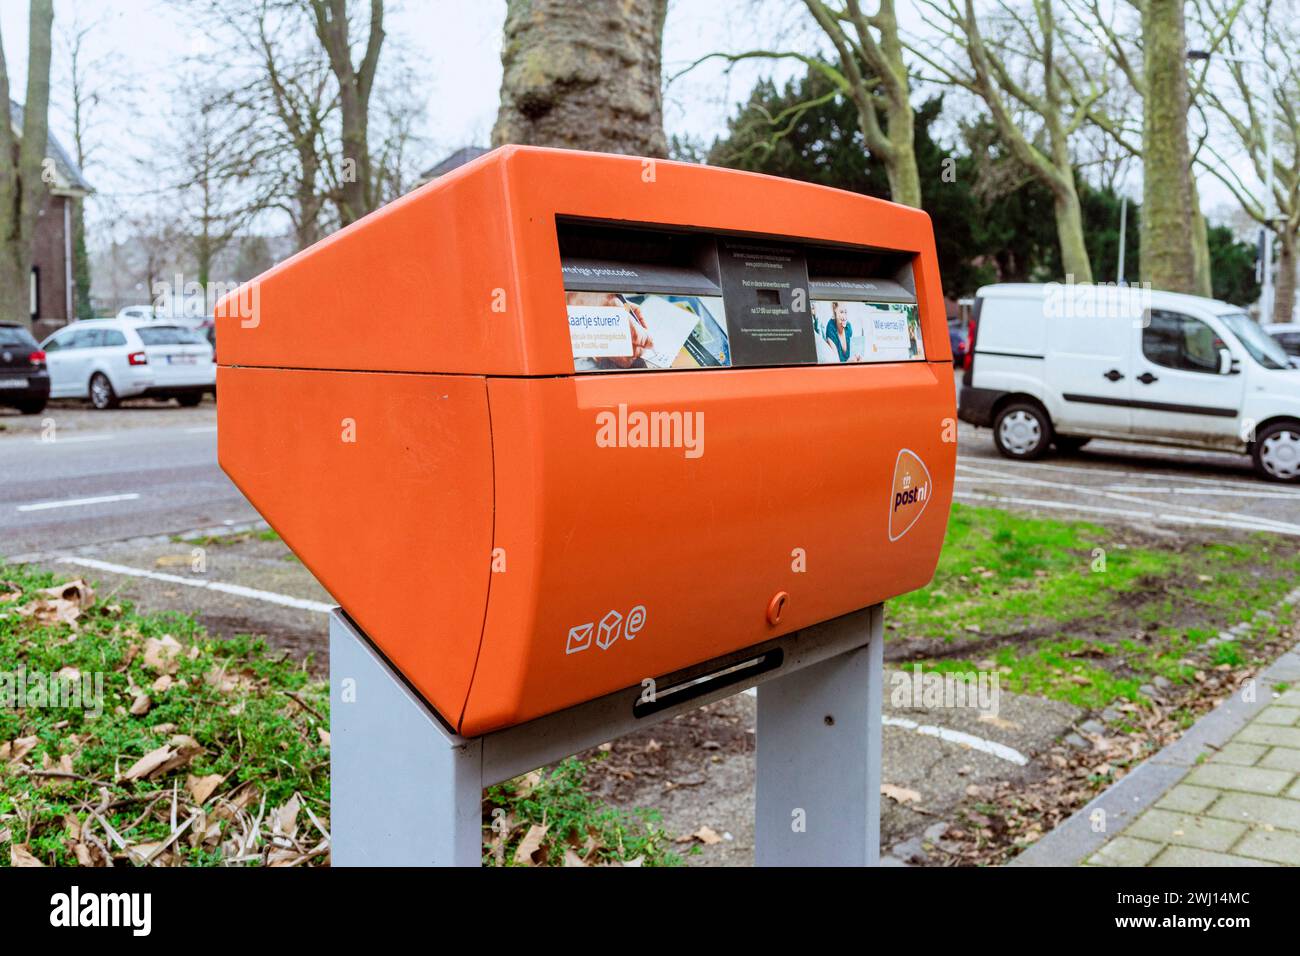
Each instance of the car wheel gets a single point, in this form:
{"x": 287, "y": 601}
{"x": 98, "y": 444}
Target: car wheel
{"x": 102, "y": 395}
{"x": 1276, "y": 452}
{"x": 1068, "y": 444}
{"x": 189, "y": 401}
{"x": 1023, "y": 430}
{"x": 31, "y": 408}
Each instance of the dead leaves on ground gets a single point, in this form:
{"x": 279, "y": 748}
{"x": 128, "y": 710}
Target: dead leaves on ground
{"x": 61, "y": 604}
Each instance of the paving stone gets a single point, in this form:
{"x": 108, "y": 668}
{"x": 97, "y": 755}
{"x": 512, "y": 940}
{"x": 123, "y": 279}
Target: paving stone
{"x": 1250, "y": 808}
{"x": 1253, "y": 779}
{"x": 1184, "y": 829}
{"x": 1257, "y": 733}
{"x": 1279, "y": 715}
{"x": 1281, "y": 758}
{"x": 1294, "y": 792}
{"x": 1186, "y": 798}
{"x": 1125, "y": 851}
{"x": 1189, "y": 856}
{"x": 1291, "y": 698}
{"x": 1242, "y": 755}
{"x": 1280, "y": 846}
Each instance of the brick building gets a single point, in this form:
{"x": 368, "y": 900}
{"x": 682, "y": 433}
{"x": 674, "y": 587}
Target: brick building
{"x": 52, "y": 263}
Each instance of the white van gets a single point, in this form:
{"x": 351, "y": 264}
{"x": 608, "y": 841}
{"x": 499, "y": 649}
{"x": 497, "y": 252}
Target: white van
{"x": 1062, "y": 364}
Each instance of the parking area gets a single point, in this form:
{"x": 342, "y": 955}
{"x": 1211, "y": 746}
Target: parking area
{"x": 1151, "y": 486}
{"x": 75, "y": 417}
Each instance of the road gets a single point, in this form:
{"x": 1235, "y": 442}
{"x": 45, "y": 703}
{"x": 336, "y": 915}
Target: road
{"x": 97, "y": 486}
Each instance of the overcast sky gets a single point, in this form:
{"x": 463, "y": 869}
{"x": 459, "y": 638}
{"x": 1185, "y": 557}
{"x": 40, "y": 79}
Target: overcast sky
{"x": 454, "y": 45}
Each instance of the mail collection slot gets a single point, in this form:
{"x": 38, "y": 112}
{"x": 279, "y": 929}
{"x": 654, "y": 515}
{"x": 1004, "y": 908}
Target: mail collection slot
{"x": 558, "y": 423}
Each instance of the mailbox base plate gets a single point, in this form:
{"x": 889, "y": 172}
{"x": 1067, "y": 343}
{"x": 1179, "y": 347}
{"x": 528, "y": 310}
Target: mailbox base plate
{"x": 407, "y": 791}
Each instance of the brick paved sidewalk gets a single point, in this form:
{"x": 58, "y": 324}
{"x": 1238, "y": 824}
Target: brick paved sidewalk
{"x": 1241, "y": 807}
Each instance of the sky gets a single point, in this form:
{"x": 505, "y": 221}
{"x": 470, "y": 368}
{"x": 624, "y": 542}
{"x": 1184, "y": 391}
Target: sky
{"x": 454, "y": 45}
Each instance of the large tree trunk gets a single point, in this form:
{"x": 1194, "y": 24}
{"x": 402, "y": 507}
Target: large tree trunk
{"x": 583, "y": 75}
{"x": 1168, "y": 259}
{"x": 1284, "y": 285}
{"x": 22, "y": 191}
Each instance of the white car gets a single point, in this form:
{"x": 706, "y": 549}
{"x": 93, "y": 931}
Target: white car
{"x": 1062, "y": 364}
{"x": 107, "y": 360}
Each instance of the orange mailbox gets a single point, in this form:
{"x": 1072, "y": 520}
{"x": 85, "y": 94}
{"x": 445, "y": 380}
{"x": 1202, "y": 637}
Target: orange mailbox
{"x": 558, "y": 422}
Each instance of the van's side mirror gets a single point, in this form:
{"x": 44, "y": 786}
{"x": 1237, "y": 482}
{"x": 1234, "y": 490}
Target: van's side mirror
{"x": 1227, "y": 364}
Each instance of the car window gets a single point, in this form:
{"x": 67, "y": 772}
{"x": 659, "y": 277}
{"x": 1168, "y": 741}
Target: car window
{"x": 84, "y": 339}
{"x": 1182, "y": 342}
{"x": 1262, "y": 348}
{"x": 57, "y": 341}
{"x": 112, "y": 338}
{"x": 159, "y": 334}
{"x": 16, "y": 338}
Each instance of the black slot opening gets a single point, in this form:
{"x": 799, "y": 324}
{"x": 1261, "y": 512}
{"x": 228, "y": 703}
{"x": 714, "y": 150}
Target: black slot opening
{"x": 684, "y": 691}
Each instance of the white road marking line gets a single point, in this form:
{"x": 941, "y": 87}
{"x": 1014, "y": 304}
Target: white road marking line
{"x": 1122, "y": 473}
{"x": 991, "y": 747}
{"x": 1208, "y": 492}
{"x": 237, "y": 589}
{"x": 1122, "y": 512}
{"x": 1264, "y": 523}
{"x": 201, "y": 430}
{"x": 73, "y": 439}
{"x": 76, "y": 502}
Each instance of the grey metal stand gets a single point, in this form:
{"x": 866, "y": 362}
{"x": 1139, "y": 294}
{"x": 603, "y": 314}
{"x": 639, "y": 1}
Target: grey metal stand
{"x": 407, "y": 791}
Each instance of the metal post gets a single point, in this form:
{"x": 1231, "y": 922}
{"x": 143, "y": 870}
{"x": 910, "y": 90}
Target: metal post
{"x": 406, "y": 790}
{"x": 1270, "y": 208}
{"x": 818, "y": 782}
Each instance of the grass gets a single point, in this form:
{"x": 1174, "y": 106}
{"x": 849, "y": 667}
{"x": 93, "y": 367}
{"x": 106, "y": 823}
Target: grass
{"x": 575, "y": 824}
{"x": 258, "y": 721}
{"x": 1079, "y": 612}
{"x": 235, "y": 713}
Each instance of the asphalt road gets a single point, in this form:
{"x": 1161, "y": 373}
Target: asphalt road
{"x": 90, "y": 486}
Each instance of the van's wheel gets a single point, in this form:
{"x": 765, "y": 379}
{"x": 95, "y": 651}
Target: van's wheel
{"x": 1276, "y": 452}
{"x": 1023, "y": 430}
{"x": 189, "y": 400}
{"x": 1068, "y": 444}
{"x": 102, "y": 395}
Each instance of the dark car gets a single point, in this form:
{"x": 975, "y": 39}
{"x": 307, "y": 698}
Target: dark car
{"x": 957, "y": 338}
{"x": 24, "y": 380}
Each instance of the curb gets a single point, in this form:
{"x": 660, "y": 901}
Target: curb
{"x": 1074, "y": 841}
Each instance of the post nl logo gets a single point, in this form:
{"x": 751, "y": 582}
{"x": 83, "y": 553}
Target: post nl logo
{"x": 910, "y": 494}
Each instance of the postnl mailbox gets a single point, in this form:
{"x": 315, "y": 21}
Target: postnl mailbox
{"x": 559, "y": 422}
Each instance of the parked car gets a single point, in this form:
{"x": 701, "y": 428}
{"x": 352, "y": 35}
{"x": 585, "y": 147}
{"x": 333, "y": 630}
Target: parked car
{"x": 957, "y": 339}
{"x": 1049, "y": 367}
{"x": 1288, "y": 336}
{"x": 24, "y": 380}
{"x": 107, "y": 360}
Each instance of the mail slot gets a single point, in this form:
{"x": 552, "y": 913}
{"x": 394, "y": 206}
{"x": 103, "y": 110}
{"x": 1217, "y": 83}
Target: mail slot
{"x": 560, "y": 423}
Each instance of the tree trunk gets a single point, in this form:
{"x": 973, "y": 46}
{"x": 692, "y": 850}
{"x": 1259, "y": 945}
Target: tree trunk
{"x": 22, "y": 191}
{"x": 1203, "y": 273}
{"x": 1284, "y": 285}
{"x": 583, "y": 75}
{"x": 1167, "y": 255}
{"x": 1069, "y": 233}
{"x": 904, "y": 177}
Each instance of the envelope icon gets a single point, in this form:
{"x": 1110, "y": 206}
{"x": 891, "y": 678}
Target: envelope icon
{"x": 579, "y": 638}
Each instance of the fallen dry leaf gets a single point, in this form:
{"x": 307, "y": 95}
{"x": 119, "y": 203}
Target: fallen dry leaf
{"x": 140, "y": 706}
{"x": 160, "y": 653}
{"x": 706, "y": 835}
{"x": 530, "y": 844}
{"x": 899, "y": 794}
{"x": 201, "y": 788}
{"x": 21, "y": 855}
